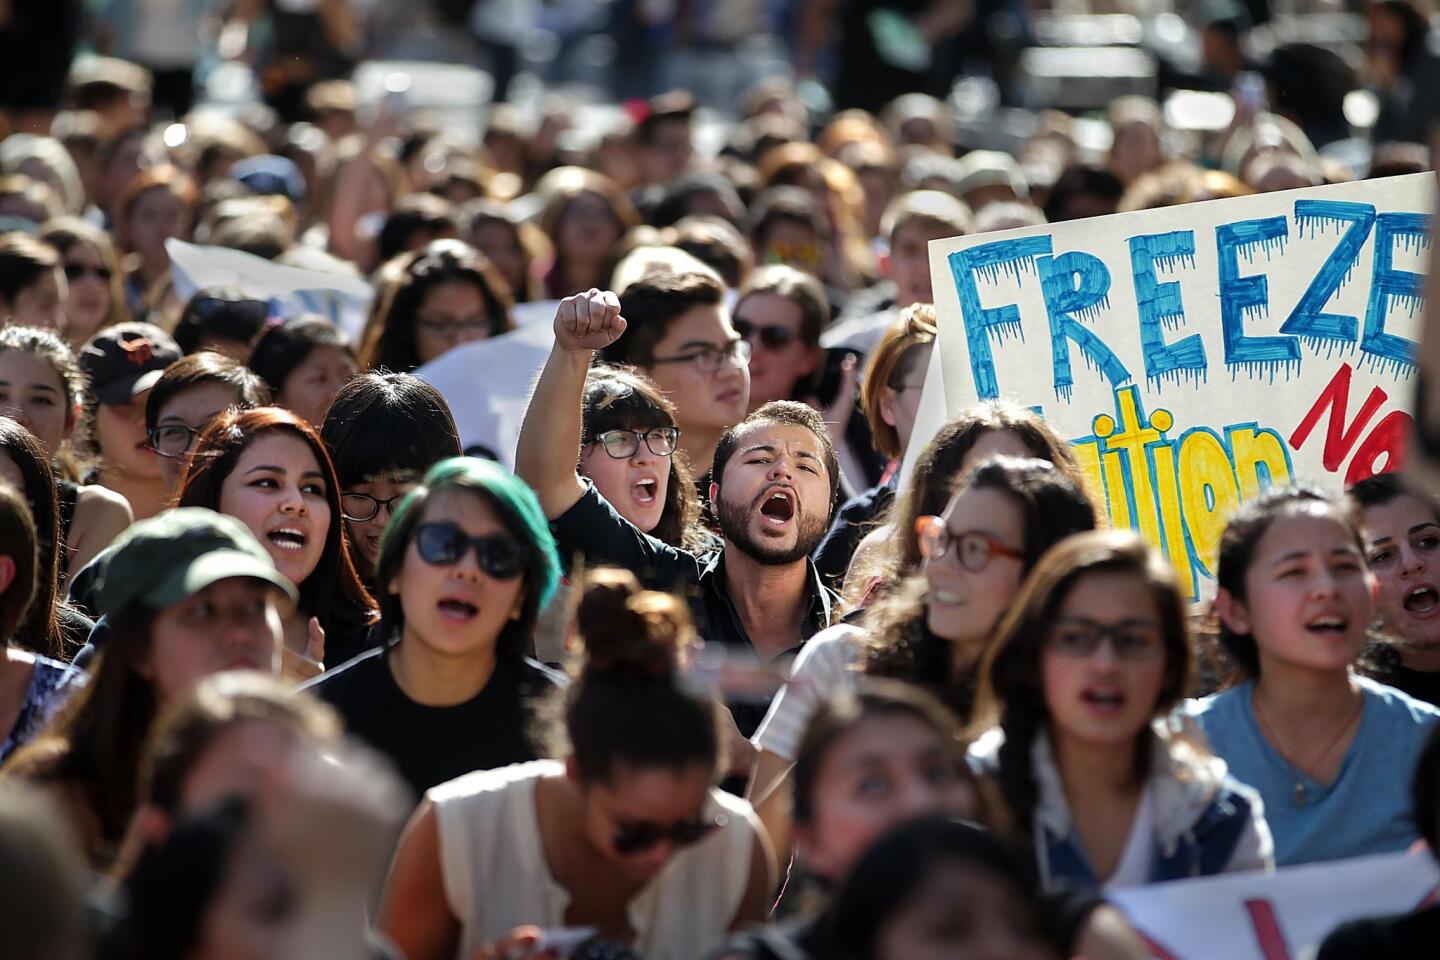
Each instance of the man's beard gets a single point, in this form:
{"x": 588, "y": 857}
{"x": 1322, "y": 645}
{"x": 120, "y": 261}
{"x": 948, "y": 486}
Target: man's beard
{"x": 735, "y": 528}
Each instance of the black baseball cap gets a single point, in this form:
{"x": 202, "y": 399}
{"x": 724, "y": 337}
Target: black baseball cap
{"x": 127, "y": 359}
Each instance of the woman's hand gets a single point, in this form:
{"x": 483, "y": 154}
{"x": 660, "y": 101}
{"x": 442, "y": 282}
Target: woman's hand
{"x": 588, "y": 321}
{"x": 299, "y": 667}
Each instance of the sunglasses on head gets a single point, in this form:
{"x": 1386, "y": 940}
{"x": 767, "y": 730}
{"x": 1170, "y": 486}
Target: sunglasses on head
{"x": 632, "y": 838}
{"x": 772, "y": 336}
{"x": 445, "y": 544}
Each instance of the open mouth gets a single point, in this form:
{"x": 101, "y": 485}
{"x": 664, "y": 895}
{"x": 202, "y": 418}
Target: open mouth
{"x": 1106, "y": 699}
{"x": 946, "y": 598}
{"x": 1330, "y": 625}
{"x": 728, "y": 397}
{"x": 288, "y": 539}
{"x": 644, "y": 491}
{"x": 778, "y": 508}
{"x": 1423, "y": 601}
{"x": 460, "y": 611}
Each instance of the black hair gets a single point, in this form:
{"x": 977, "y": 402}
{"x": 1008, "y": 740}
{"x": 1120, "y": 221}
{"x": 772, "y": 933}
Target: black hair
{"x": 23, "y": 260}
{"x": 784, "y": 203}
{"x": 898, "y": 866}
{"x": 222, "y": 312}
{"x": 387, "y": 424}
{"x": 674, "y": 203}
{"x": 419, "y": 213}
{"x": 630, "y": 705}
{"x": 1247, "y": 527}
{"x": 1080, "y": 180}
{"x": 1425, "y": 793}
{"x": 17, "y": 541}
{"x": 651, "y": 304}
{"x": 39, "y": 631}
{"x": 792, "y": 413}
{"x": 198, "y": 369}
{"x": 284, "y": 346}
{"x": 1385, "y": 488}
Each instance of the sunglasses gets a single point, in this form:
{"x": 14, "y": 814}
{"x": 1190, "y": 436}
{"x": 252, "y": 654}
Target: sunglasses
{"x": 633, "y": 838}
{"x": 74, "y": 271}
{"x": 772, "y": 336}
{"x": 445, "y": 544}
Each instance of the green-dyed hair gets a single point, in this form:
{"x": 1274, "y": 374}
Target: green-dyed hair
{"x": 519, "y": 512}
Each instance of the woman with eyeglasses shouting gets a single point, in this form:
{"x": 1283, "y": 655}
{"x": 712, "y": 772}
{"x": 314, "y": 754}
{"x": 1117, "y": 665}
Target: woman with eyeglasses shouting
{"x": 630, "y": 450}
{"x": 1095, "y": 785}
{"x": 269, "y": 469}
{"x": 191, "y": 393}
{"x": 626, "y": 835}
{"x": 465, "y": 568}
{"x": 445, "y": 295}
{"x": 933, "y": 627}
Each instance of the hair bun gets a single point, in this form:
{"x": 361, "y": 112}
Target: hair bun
{"x": 629, "y": 631}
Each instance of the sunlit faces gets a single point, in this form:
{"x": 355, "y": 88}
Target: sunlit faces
{"x": 1402, "y": 538}
{"x": 456, "y": 609}
{"x": 89, "y": 280}
{"x": 313, "y": 384}
{"x": 964, "y": 605}
{"x": 1107, "y": 696}
{"x": 709, "y": 401}
{"x": 41, "y": 304}
{"x": 909, "y": 263}
{"x": 452, "y": 313}
{"x": 900, "y": 399}
{"x": 502, "y": 248}
{"x": 233, "y": 624}
{"x": 885, "y": 770}
{"x": 33, "y": 394}
{"x": 191, "y": 409}
{"x": 964, "y": 910}
{"x": 588, "y": 229}
{"x": 767, "y": 319}
{"x": 774, "y": 499}
{"x": 156, "y": 216}
{"x": 655, "y": 797}
{"x": 636, "y": 486}
{"x": 120, "y": 434}
{"x": 376, "y": 499}
{"x": 277, "y": 489}
{"x": 1308, "y": 595}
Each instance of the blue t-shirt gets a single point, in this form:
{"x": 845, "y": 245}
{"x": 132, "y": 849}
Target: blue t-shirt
{"x": 1366, "y": 809}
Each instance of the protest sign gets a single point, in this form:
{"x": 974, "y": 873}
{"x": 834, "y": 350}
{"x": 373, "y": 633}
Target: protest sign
{"x": 343, "y": 300}
{"x": 487, "y": 385}
{"x": 1284, "y": 915}
{"x": 1195, "y": 355}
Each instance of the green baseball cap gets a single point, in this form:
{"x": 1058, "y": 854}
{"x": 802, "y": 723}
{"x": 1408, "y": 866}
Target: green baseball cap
{"x": 174, "y": 555}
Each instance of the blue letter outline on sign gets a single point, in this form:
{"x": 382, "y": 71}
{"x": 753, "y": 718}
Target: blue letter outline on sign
{"x": 981, "y": 323}
{"x": 1161, "y": 308}
{"x": 1308, "y": 320}
{"x": 1241, "y": 297}
{"x": 1076, "y": 287}
{"x": 1387, "y": 350}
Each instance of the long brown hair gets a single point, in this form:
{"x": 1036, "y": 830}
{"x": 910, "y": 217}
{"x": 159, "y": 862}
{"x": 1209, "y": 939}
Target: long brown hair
{"x": 900, "y": 645}
{"x": 333, "y": 592}
{"x": 1012, "y": 689}
{"x": 39, "y": 631}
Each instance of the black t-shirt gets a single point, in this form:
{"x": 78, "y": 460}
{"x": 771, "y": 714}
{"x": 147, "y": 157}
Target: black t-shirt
{"x": 1420, "y": 684}
{"x": 432, "y": 745}
{"x": 1412, "y": 935}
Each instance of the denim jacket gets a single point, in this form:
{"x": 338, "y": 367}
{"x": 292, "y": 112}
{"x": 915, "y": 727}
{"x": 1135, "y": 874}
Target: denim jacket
{"x": 1205, "y": 821}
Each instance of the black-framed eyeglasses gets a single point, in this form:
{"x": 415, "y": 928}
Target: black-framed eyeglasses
{"x": 361, "y": 507}
{"x": 772, "y": 336}
{"x": 174, "y": 440}
{"x": 632, "y": 838}
{"x": 445, "y": 544}
{"x": 974, "y": 548}
{"x": 624, "y": 444}
{"x": 74, "y": 271}
{"x": 710, "y": 359}
{"x": 1130, "y": 639}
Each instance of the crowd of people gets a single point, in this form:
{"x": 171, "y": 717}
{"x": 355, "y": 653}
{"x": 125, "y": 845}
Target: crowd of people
{"x": 287, "y": 674}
